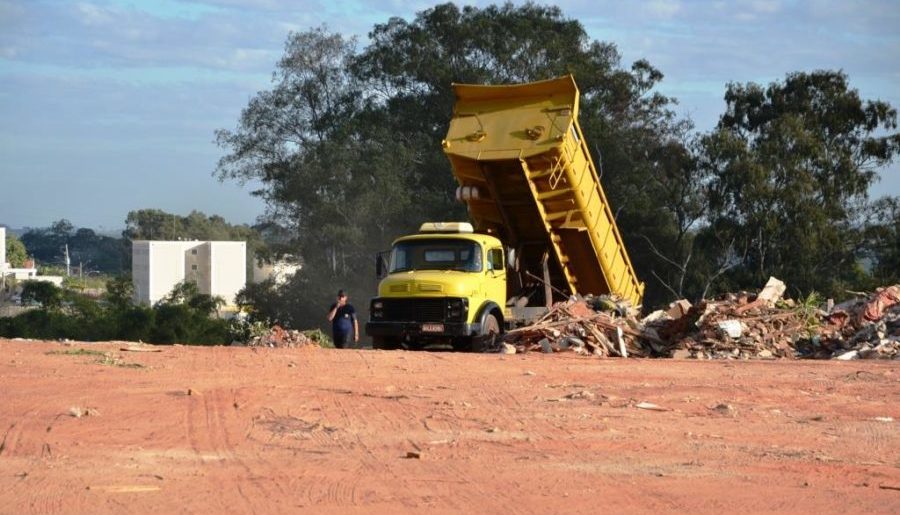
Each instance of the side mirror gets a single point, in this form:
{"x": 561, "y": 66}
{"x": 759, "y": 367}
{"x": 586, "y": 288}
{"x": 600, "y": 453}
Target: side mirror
{"x": 381, "y": 267}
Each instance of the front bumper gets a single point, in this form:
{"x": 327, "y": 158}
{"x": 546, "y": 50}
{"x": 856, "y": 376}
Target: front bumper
{"x": 402, "y": 330}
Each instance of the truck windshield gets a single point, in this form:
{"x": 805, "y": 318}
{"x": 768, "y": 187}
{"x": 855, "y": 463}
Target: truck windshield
{"x": 436, "y": 254}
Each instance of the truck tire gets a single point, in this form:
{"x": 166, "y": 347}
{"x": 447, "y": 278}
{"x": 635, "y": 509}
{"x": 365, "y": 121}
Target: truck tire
{"x": 385, "y": 343}
{"x": 488, "y": 340}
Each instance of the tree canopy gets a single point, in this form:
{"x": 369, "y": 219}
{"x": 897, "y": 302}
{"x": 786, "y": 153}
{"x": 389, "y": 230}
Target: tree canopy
{"x": 346, "y": 143}
{"x": 16, "y": 253}
{"x": 346, "y": 147}
{"x": 94, "y": 251}
{"x": 790, "y": 168}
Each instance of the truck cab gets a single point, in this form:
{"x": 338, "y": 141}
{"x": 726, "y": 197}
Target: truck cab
{"x": 445, "y": 284}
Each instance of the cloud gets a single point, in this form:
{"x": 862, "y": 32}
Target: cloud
{"x": 93, "y": 15}
{"x": 120, "y": 88}
{"x": 663, "y": 8}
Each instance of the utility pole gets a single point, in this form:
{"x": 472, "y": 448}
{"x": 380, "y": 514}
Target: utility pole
{"x": 68, "y": 262}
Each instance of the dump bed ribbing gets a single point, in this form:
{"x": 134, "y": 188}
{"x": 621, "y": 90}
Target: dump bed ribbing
{"x": 526, "y": 175}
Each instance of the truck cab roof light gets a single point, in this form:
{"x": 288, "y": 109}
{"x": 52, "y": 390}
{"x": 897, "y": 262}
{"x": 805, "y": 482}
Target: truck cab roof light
{"x": 447, "y": 227}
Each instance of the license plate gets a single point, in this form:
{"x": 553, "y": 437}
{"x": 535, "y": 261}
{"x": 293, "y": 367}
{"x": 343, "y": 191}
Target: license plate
{"x": 432, "y": 328}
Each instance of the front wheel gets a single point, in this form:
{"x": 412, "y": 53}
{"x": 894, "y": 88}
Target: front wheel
{"x": 489, "y": 338}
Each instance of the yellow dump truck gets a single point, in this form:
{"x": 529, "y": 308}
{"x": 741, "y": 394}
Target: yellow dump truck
{"x": 541, "y": 228}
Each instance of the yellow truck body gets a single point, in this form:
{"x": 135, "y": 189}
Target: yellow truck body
{"x": 526, "y": 174}
{"x": 541, "y": 229}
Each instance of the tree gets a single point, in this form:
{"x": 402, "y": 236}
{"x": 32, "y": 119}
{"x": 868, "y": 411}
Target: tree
{"x": 346, "y": 144}
{"x": 120, "y": 292}
{"x": 883, "y": 240}
{"x": 87, "y": 248}
{"x": 791, "y": 165}
{"x": 62, "y": 229}
{"x": 16, "y": 253}
{"x": 185, "y": 315}
{"x": 44, "y": 293}
{"x": 153, "y": 224}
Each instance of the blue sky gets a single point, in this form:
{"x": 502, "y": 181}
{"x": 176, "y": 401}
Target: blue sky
{"x": 110, "y": 105}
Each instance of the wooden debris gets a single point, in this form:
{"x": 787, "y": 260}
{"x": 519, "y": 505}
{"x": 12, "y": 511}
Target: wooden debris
{"x": 650, "y": 406}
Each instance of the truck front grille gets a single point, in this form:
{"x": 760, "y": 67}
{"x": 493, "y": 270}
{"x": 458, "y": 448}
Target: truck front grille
{"x": 414, "y": 310}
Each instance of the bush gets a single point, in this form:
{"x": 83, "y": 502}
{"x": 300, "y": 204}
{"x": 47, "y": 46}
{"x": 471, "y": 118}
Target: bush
{"x": 185, "y": 316}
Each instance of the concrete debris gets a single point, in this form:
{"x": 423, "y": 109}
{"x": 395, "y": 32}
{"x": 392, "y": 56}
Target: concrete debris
{"x": 732, "y": 326}
{"x": 278, "y": 337}
{"x": 78, "y": 412}
{"x": 771, "y": 292}
{"x": 847, "y": 356}
{"x": 678, "y": 309}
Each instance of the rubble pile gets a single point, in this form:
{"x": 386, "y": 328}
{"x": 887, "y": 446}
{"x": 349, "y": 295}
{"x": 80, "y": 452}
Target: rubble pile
{"x": 741, "y": 325}
{"x": 278, "y": 337}
{"x": 863, "y": 328}
{"x": 733, "y": 326}
{"x": 576, "y": 326}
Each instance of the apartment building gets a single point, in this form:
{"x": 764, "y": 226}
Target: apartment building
{"x": 219, "y": 268}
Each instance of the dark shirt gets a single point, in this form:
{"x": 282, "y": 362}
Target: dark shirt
{"x": 343, "y": 319}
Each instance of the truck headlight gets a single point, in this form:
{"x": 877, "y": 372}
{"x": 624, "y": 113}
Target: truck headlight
{"x": 377, "y": 311}
{"x": 456, "y": 309}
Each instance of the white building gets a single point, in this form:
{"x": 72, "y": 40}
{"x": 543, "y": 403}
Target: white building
{"x": 7, "y": 270}
{"x": 219, "y": 268}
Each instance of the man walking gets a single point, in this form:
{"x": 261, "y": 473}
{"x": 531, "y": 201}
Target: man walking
{"x": 342, "y": 316}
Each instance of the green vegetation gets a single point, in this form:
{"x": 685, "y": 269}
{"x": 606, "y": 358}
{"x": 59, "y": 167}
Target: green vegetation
{"x": 87, "y": 249}
{"x": 115, "y": 361}
{"x": 346, "y": 146}
{"x": 16, "y": 254}
{"x": 184, "y": 316}
{"x": 110, "y": 256}
{"x": 103, "y": 358}
{"x": 77, "y": 352}
{"x": 320, "y": 337}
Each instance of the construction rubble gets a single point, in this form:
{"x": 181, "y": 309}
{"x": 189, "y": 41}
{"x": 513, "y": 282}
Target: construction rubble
{"x": 278, "y": 337}
{"x": 763, "y": 325}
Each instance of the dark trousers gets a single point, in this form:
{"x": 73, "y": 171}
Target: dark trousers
{"x": 342, "y": 340}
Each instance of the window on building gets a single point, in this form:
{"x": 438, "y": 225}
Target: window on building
{"x": 193, "y": 267}
{"x": 194, "y": 251}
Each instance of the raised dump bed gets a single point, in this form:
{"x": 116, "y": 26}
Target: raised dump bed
{"x": 527, "y": 176}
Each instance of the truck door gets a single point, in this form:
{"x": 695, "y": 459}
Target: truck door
{"x": 495, "y": 282}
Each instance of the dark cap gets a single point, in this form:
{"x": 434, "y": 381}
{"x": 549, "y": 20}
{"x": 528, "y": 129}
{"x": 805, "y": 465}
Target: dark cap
{"x": 341, "y": 293}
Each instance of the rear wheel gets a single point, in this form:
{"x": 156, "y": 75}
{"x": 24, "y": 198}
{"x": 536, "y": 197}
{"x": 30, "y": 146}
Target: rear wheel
{"x": 385, "y": 343}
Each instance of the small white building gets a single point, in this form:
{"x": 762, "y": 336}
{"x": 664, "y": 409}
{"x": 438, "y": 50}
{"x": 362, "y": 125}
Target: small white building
{"x": 7, "y": 270}
{"x": 279, "y": 271}
{"x": 219, "y": 268}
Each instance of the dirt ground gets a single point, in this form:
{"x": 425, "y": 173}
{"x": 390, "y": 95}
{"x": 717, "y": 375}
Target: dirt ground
{"x": 243, "y": 430}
